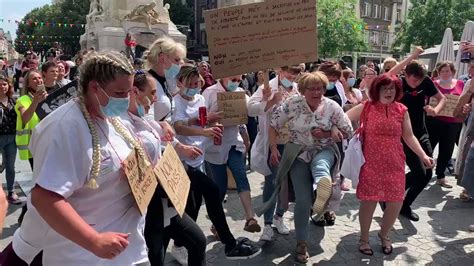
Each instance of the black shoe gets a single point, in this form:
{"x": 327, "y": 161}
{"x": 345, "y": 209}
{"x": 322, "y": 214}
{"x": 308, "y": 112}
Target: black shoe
{"x": 383, "y": 206}
{"x": 321, "y": 222}
{"x": 330, "y": 218}
{"x": 410, "y": 215}
{"x": 243, "y": 250}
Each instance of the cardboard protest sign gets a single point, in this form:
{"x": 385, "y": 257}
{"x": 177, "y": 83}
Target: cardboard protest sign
{"x": 173, "y": 178}
{"x": 260, "y": 36}
{"x": 57, "y": 98}
{"x": 234, "y": 108}
{"x": 142, "y": 181}
{"x": 448, "y": 109}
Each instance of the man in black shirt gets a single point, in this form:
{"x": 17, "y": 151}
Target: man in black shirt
{"x": 418, "y": 88}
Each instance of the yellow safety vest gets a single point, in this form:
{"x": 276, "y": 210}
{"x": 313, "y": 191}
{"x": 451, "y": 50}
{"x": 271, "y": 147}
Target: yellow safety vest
{"x": 23, "y": 133}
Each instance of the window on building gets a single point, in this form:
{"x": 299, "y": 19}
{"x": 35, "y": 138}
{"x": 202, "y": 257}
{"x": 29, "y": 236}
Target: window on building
{"x": 375, "y": 37}
{"x": 376, "y": 11}
{"x": 366, "y": 12}
{"x": 386, "y": 15}
{"x": 399, "y": 16}
{"x": 385, "y": 38}
{"x": 367, "y": 36}
{"x": 203, "y": 38}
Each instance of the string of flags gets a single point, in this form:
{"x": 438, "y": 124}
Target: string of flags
{"x": 360, "y": 26}
{"x": 43, "y": 23}
{"x": 45, "y": 37}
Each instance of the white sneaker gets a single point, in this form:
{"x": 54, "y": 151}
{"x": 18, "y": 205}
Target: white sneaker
{"x": 281, "y": 226}
{"x": 267, "y": 234}
{"x": 180, "y": 254}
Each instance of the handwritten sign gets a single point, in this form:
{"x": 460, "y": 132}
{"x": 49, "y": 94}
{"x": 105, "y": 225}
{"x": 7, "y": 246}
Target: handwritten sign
{"x": 173, "y": 178}
{"x": 142, "y": 181}
{"x": 260, "y": 36}
{"x": 57, "y": 98}
{"x": 448, "y": 109}
{"x": 234, "y": 108}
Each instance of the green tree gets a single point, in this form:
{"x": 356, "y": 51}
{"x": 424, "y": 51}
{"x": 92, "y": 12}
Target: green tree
{"x": 180, "y": 14}
{"x": 427, "y": 20}
{"x": 42, "y": 26}
{"x": 339, "y": 29}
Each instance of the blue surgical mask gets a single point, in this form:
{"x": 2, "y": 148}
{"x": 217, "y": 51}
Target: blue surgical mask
{"x": 173, "y": 71}
{"x": 286, "y": 83}
{"x": 330, "y": 85}
{"x": 351, "y": 82}
{"x": 232, "y": 86}
{"x": 115, "y": 106}
{"x": 445, "y": 81}
{"x": 190, "y": 92}
{"x": 140, "y": 110}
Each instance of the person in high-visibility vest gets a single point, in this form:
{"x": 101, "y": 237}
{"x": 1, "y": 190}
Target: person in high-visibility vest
{"x": 25, "y": 108}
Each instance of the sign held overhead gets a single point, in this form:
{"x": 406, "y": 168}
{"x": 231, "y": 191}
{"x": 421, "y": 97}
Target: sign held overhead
{"x": 260, "y": 36}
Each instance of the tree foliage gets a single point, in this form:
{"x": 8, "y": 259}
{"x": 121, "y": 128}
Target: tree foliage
{"x": 427, "y": 20}
{"x": 181, "y": 14}
{"x": 45, "y": 34}
{"x": 339, "y": 29}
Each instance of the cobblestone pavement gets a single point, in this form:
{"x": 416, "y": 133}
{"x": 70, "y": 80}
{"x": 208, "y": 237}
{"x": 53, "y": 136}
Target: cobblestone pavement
{"x": 441, "y": 237}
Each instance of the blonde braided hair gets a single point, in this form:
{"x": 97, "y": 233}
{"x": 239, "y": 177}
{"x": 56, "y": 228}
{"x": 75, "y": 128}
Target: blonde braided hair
{"x": 102, "y": 67}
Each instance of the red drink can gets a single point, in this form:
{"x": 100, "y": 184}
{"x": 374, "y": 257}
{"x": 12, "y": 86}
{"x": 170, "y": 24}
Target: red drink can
{"x": 218, "y": 140}
{"x": 202, "y": 116}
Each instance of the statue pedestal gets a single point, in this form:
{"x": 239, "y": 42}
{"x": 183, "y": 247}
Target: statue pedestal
{"x": 102, "y": 35}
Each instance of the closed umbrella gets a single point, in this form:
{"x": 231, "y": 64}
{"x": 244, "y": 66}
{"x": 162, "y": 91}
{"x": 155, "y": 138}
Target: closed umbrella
{"x": 446, "y": 50}
{"x": 467, "y": 35}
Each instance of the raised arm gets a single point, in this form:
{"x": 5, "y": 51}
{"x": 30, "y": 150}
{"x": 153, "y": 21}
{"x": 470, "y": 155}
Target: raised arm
{"x": 399, "y": 67}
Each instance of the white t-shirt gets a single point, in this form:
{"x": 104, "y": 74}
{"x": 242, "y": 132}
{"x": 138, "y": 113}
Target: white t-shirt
{"x": 163, "y": 107}
{"x": 218, "y": 154}
{"x": 62, "y": 147}
{"x": 185, "y": 110}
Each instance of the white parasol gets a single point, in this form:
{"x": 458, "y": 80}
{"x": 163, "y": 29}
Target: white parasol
{"x": 446, "y": 49}
{"x": 467, "y": 35}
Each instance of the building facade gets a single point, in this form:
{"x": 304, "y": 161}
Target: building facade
{"x": 383, "y": 19}
{"x": 7, "y": 50}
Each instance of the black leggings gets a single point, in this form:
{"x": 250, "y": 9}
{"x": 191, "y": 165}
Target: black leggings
{"x": 182, "y": 229}
{"x": 446, "y": 135}
{"x": 419, "y": 176}
{"x": 204, "y": 186}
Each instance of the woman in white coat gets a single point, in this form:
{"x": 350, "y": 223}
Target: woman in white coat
{"x": 261, "y": 104}
{"x": 165, "y": 57}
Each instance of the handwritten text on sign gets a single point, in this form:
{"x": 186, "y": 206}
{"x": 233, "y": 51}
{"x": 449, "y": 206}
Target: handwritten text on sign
{"x": 173, "y": 178}
{"x": 260, "y": 36}
{"x": 234, "y": 108}
{"x": 142, "y": 181}
{"x": 448, "y": 109}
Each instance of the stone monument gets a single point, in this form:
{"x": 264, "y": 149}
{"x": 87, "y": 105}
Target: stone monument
{"x": 109, "y": 21}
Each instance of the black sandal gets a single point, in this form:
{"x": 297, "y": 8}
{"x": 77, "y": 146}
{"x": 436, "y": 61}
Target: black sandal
{"x": 366, "y": 251}
{"x": 387, "y": 250}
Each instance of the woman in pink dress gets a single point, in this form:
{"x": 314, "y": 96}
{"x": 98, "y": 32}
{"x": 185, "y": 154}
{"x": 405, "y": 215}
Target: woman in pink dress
{"x": 382, "y": 178}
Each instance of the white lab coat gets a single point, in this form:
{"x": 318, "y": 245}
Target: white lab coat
{"x": 256, "y": 107}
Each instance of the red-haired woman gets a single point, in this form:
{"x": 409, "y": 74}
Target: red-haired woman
{"x": 7, "y": 134}
{"x": 385, "y": 122}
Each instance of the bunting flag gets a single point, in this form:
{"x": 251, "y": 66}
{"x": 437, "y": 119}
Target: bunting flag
{"x": 43, "y": 23}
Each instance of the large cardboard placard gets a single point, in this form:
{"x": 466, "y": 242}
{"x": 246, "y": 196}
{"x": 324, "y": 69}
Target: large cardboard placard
{"x": 173, "y": 178}
{"x": 448, "y": 109}
{"x": 260, "y": 36}
{"x": 57, "y": 98}
{"x": 142, "y": 182}
{"x": 234, "y": 108}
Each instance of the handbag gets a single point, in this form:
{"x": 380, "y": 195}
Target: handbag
{"x": 353, "y": 156}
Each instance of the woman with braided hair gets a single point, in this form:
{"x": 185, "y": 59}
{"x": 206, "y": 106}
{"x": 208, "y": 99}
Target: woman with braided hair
{"x": 82, "y": 204}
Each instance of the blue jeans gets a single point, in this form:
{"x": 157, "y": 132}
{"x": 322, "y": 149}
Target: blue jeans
{"x": 321, "y": 164}
{"x": 8, "y": 146}
{"x": 236, "y": 164}
{"x": 269, "y": 188}
{"x": 300, "y": 175}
